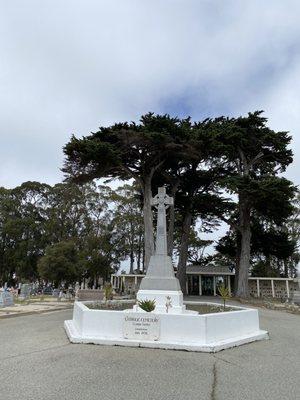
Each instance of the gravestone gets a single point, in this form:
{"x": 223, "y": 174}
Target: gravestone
{"x": 55, "y": 293}
{"x": 6, "y": 299}
{"x": 25, "y": 291}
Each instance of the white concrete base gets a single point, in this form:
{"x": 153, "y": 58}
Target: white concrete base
{"x": 74, "y": 337}
{"x": 192, "y": 332}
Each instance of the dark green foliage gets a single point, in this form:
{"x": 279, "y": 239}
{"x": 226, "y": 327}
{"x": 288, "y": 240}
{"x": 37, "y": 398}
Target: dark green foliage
{"x": 217, "y": 169}
{"x": 126, "y": 150}
{"x": 35, "y": 217}
{"x": 272, "y": 248}
{"x": 60, "y": 263}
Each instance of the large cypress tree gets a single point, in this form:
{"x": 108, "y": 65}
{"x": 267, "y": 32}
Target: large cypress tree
{"x": 254, "y": 156}
{"x": 129, "y": 150}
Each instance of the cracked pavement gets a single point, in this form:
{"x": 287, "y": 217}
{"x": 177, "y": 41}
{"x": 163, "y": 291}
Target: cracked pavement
{"x": 37, "y": 361}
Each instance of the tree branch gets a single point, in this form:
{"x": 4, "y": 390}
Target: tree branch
{"x": 133, "y": 175}
{"x": 153, "y": 169}
{"x": 230, "y": 223}
{"x": 257, "y": 158}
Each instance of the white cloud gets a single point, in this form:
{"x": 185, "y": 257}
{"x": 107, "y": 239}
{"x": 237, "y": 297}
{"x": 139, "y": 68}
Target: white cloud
{"x": 69, "y": 66}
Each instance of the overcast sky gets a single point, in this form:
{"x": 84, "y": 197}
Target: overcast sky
{"x": 67, "y": 67}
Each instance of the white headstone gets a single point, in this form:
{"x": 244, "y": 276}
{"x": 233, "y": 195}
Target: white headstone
{"x": 6, "y": 299}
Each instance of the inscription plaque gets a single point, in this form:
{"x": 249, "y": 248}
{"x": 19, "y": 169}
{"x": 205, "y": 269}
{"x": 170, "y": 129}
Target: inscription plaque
{"x": 141, "y": 326}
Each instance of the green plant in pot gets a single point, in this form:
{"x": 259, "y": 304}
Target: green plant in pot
{"x": 146, "y": 305}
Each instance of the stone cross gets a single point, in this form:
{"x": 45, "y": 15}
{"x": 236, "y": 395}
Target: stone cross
{"x": 162, "y": 201}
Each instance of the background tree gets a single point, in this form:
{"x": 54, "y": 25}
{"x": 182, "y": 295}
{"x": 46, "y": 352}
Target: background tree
{"x": 60, "y": 263}
{"x": 253, "y": 155}
{"x": 128, "y": 223}
{"x": 271, "y": 249}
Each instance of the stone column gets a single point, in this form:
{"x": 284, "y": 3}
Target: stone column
{"x": 214, "y": 283}
{"x": 287, "y": 288}
{"x": 273, "y": 289}
{"x": 257, "y": 287}
{"x": 200, "y": 285}
{"x": 229, "y": 284}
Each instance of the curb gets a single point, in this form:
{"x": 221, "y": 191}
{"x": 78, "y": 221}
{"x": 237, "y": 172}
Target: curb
{"x": 21, "y": 314}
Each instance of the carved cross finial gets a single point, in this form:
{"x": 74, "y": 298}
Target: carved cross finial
{"x": 162, "y": 199}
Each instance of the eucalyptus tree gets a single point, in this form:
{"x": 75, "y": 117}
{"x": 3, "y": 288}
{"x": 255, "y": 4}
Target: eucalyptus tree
{"x": 7, "y": 245}
{"x": 293, "y": 228}
{"x": 25, "y": 227}
{"x": 60, "y": 263}
{"x": 67, "y": 213}
{"x": 128, "y": 222}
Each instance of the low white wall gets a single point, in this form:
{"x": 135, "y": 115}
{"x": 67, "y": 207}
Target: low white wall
{"x": 204, "y": 329}
{"x": 183, "y": 328}
{"x": 222, "y": 326}
{"x": 78, "y": 315}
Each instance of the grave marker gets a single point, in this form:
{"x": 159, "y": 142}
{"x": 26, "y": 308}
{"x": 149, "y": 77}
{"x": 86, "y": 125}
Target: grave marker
{"x": 6, "y": 299}
{"x": 25, "y": 291}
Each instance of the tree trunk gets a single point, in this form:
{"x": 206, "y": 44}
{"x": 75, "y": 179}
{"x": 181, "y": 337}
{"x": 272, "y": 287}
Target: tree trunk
{"x": 131, "y": 248}
{"x": 183, "y": 253}
{"x": 131, "y": 261}
{"x": 148, "y": 223}
{"x": 245, "y": 230}
{"x": 237, "y": 262}
{"x": 143, "y": 269}
{"x": 286, "y": 268}
{"x": 139, "y": 253}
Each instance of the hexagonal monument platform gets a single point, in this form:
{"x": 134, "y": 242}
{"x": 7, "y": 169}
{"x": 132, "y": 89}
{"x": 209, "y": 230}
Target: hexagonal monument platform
{"x": 170, "y": 325}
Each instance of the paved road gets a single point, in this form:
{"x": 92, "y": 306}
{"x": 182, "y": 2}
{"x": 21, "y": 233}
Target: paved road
{"x": 38, "y": 362}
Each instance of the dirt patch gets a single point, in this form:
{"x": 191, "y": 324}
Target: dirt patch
{"x": 209, "y": 308}
{"x": 201, "y": 308}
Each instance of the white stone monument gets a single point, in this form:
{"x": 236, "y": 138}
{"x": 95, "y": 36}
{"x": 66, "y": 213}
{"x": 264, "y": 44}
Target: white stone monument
{"x": 170, "y": 325}
{"x": 160, "y": 283}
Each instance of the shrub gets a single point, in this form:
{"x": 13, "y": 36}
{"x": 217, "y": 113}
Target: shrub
{"x": 147, "y": 305}
{"x": 224, "y": 293}
{"x": 108, "y": 292}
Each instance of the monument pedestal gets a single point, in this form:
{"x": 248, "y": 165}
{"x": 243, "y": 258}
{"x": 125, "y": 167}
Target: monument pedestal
{"x": 162, "y": 297}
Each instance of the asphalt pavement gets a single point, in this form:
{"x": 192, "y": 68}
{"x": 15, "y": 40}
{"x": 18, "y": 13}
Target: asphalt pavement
{"x": 38, "y": 362}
